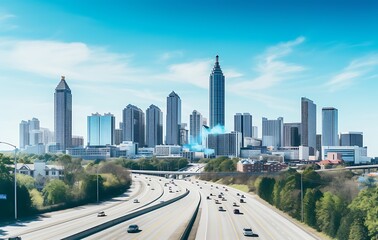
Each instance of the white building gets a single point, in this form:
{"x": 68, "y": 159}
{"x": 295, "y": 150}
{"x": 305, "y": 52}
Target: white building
{"x": 168, "y": 150}
{"x": 351, "y": 154}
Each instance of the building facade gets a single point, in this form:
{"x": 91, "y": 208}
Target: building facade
{"x": 308, "y": 120}
{"x": 291, "y": 134}
{"x": 243, "y": 124}
{"x": 63, "y": 115}
{"x": 272, "y": 132}
{"x": 101, "y": 129}
{"x": 173, "y": 119}
{"x": 196, "y": 123}
{"x": 133, "y": 125}
{"x": 330, "y": 129}
{"x": 217, "y": 96}
{"x": 24, "y": 134}
{"x": 226, "y": 144}
{"x": 154, "y": 126}
{"x": 352, "y": 139}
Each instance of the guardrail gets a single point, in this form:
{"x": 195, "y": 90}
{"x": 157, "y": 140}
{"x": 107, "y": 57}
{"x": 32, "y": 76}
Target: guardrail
{"x": 111, "y": 223}
{"x": 189, "y": 227}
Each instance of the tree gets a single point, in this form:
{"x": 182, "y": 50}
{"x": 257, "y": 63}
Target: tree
{"x": 264, "y": 188}
{"x": 26, "y": 181}
{"x": 309, "y": 206}
{"x": 55, "y": 191}
{"x": 358, "y": 231}
{"x": 328, "y": 212}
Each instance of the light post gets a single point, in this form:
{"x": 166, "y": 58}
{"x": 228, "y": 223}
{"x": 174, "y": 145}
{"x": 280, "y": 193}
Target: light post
{"x": 15, "y": 181}
{"x": 302, "y": 196}
{"x": 97, "y": 184}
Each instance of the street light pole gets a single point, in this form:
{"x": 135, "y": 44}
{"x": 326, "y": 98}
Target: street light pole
{"x": 302, "y": 196}
{"x": 15, "y": 180}
{"x": 97, "y": 184}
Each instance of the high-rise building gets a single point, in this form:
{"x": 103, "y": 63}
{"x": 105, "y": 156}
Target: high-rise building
{"x": 34, "y": 124}
{"x": 184, "y": 136}
{"x": 225, "y": 144}
{"x": 173, "y": 119}
{"x": 330, "y": 131}
{"x": 77, "y": 141}
{"x": 243, "y": 124}
{"x": 24, "y": 134}
{"x": 217, "y": 95}
{"x": 133, "y": 125}
{"x": 272, "y": 132}
{"x": 308, "y": 117}
{"x": 319, "y": 144}
{"x": 255, "y": 132}
{"x": 154, "y": 124}
{"x": 101, "y": 129}
{"x": 63, "y": 115}
{"x": 351, "y": 139}
{"x": 196, "y": 123}
{"x": 291, "y": 134}
{"x": 118, "y": 138}
{"x": 35, "y": 135}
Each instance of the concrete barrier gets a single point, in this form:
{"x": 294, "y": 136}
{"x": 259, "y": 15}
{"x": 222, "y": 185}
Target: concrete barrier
{"x": 111, "y": 223}
{"x": 189, "y": 227}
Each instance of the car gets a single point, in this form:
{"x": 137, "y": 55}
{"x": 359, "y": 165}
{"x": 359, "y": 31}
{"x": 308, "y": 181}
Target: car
{"x": 170, "y": 191}
{"x": 208, "y": 198}
{"x": 136, "y": 201}
{"x": 101, "y": 214}
{"x": 152, "y": 188}
{"x": 216, "y": 201}
{"x": 234, "y": 204}
{"x": 133, "y": 228}
{"x": 221, "y": 209}
{"x": 242, "y": 196}
{"x": 249, "y": 232}
{"x": 224, "y": 199}
{"x": 226, "y": 190}
{"x": 242, "y": 200}
{"x": 148, "y": 184}
{"x": 236, "y": 211}
{"x": 220, "y": 196}
{"x": 200, "y": 187}
{"x": 211, "y": 194}
{"x": 237, "y": 194}
{"x": 14, "y": 238}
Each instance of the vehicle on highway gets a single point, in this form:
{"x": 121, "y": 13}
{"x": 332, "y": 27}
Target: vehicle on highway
{"x": 216, "y": 201}
{"x": 226, "y": 190}
{"x": 208, "y": 197}
{"x": 236, "y": 211}
{"x": 136, "y": 201}
{"x": 249, "y": 232}
{"x": 170, "y": 191}
{"x": 242, "y": 196}
{"x": 152, "y": 188}
{"x": 221, "y": 209}
{"x": 101, "y": 214}
{"x": 14, "y": 238}
{"x": 148, "y": 184}
{"x": 219, "y": 196}
{"x": 224, "y": 199}
{"x": 234, "y": 204}
{"x": 133, "y": 228}
{"x": 237, "y": 194}
{"x": 242, "y": 200}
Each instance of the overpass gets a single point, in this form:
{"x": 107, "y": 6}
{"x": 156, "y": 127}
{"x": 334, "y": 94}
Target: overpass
{"x": 360, "y": 167}
{"x": 190, "y": 173}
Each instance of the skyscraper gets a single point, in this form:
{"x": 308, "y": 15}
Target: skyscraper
{"x": 24, "y": 134}
{"x": 63, "y": 115}
{"x": 154, "y": 124}
{"x": 255, "y": 132}
{"x": 101, "y": 129}
{"x": 243, "y": 124}
{"x": 133, "y": 125}
{"x": 173, "y": 119}
{"x": 217, "y": 95}
{"x": 351, "y": 139}
{"x": 196, "y": 122}
{"x": 291, "y": 134}
{"x": 308, "y": 116}
{"x": 330, "y": 131}
{"x": 272, "y": 132}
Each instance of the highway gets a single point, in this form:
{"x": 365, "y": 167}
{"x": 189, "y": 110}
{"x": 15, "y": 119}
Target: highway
{"x": 60, "y": 224}
{"x": 168, "y": 222}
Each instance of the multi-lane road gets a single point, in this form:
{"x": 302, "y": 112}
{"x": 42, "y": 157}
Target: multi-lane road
{"x": 170, "y": 221}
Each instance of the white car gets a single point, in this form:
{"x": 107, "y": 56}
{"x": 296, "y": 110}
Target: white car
{"x": 249, "y": 232}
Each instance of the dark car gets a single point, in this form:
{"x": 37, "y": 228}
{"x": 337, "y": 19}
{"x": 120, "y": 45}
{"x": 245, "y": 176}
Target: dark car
{"x": 101, "y": 214}
{"x": 236, "y": 211}
{"x": 14, "y": 238}
{"x": 242, "y": 201}
{"x": 133, "y": 228}
{"x": 208, "y": 198}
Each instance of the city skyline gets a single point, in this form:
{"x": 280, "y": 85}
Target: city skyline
{"x": 266, "y": 72}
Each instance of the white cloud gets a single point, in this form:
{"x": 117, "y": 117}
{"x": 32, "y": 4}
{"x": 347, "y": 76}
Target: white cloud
{"x": 357, "y": 69}
{"x": 5, "y": 22}
{"x": 169, "y": 55}
{"x": 271, "y": 69}
{"x": 196, "y": 73}
{"x": 76, "y": 60}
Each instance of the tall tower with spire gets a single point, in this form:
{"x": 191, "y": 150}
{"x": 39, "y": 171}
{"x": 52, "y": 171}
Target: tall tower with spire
{"x": 63, "y": 115}
{"x": 217, "y": 95}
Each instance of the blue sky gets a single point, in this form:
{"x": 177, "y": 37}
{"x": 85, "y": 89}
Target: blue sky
{"x": 136, "y": 52}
